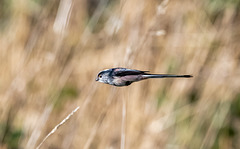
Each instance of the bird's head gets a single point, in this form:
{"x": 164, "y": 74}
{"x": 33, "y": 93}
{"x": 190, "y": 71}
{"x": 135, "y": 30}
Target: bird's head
{"x": 103, "y": 76}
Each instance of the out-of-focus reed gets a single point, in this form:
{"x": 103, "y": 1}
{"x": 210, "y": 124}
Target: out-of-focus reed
{"x": 51, "y": 51}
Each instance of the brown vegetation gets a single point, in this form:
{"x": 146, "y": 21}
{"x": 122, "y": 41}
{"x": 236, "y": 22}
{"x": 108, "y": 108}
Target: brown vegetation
{"x": 51, "y": 52}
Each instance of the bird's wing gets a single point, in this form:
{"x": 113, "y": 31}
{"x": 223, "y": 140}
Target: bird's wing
{"x": 125, "y": 72}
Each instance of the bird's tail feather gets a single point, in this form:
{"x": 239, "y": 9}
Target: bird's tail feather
{"x": 166, "y": 76}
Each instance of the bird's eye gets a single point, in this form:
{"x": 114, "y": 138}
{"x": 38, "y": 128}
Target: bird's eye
{"x": 100, "y": 76}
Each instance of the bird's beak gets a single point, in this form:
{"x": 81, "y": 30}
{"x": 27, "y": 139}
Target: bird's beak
{"x": 97, "y": 79}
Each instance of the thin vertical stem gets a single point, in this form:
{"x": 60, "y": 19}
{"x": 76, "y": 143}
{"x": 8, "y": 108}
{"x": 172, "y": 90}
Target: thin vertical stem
{"x": 123, "y": 128}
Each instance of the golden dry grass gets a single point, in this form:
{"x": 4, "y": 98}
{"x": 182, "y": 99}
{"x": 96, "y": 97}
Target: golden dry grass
{"x": 51, "y": 52}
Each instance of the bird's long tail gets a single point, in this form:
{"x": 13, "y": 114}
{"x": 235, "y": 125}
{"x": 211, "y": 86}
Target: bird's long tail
{"x": 166, "y": 76}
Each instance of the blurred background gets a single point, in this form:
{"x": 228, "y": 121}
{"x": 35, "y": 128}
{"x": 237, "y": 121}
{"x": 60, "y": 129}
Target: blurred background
{"x": 51, "y": 52}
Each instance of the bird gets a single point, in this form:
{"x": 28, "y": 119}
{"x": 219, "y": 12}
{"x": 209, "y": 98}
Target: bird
{"x": 124, "y": 77}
